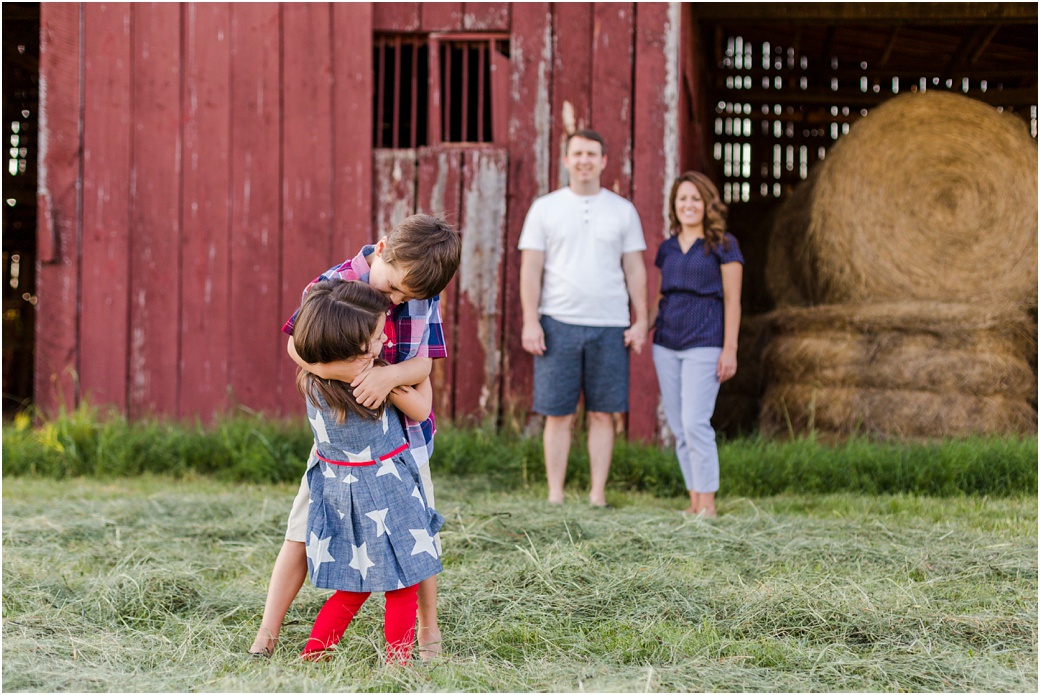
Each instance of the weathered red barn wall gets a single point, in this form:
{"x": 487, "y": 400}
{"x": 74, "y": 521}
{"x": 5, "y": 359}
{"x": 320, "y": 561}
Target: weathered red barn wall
{"x": 225, "y": 157}
{"x": 611, "y": 67}
{"x": 214, "y": 184}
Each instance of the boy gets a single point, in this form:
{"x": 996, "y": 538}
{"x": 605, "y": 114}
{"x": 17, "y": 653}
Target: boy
{"x": 410, "y": 266}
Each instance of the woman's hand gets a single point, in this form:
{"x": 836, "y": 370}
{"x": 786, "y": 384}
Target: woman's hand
{"x": 727, "y": 365}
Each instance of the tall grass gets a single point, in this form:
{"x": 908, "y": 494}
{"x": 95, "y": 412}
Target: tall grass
{"x": 255, "y": 449}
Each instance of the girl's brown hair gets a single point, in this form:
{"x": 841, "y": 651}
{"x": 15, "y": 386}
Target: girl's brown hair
{"x": 714, "y": 210}
{"x": 335, "y": 323}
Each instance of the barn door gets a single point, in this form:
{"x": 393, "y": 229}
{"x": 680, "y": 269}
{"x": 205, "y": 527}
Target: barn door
{"x": 467, "y": 186}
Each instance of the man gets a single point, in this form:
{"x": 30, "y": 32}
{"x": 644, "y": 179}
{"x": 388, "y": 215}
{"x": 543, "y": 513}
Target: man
{"x": 581, "y": 266}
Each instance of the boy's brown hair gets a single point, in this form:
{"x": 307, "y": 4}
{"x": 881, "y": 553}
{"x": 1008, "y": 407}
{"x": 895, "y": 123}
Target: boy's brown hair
{"x": 429, "y": 250}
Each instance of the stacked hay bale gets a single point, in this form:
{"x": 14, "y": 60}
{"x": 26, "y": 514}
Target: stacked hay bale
{"x": 905, "y": 269}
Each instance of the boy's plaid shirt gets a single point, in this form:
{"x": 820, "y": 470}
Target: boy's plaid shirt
{"x": 413, "y": 329}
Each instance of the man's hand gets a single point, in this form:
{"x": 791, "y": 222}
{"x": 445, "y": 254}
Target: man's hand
{"x": 635, "y": 336}
{"x": 533, "y": 338}
{"x": 372, "y": 386}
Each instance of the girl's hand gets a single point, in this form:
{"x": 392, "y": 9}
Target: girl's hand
{"x": 372, "y": 386}
{"x": 727, "y": 365}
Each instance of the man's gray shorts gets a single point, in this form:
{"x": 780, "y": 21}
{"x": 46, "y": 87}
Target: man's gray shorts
{"x": 581, "y": 358}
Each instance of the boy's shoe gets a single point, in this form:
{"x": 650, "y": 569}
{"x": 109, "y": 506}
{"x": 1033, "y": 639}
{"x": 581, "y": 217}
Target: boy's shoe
{"x": 264, "y": 653}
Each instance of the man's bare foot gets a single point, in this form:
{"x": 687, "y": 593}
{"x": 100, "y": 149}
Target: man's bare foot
{"x": 429, "y": 643}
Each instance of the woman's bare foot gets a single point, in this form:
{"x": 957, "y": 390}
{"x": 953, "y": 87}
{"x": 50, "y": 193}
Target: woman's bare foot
{"x": 429, "y": 643}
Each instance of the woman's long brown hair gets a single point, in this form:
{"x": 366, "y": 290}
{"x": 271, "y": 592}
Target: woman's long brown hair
{"x": 335, "y": 323}
{"x": 714, "y": 210}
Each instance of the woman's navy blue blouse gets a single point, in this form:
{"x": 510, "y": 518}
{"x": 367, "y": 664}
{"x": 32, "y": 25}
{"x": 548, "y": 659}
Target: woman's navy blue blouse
{"x": 691, "y": 311}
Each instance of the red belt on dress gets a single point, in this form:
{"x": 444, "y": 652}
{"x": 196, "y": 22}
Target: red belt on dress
{"x": 373, "y": 462}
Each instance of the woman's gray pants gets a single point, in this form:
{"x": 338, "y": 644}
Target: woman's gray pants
{"x": 689, "y": 386}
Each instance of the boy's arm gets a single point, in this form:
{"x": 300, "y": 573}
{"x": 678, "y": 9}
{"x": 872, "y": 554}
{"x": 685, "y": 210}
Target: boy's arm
{"x": 372, "y": 386}
{"x": 335, "y": 371}
{"x": 416, "y": 402}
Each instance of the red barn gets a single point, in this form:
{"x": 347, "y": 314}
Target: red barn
{"x": 199, "y": 163}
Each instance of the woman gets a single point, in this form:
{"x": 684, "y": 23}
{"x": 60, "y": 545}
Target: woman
{"x": 696, "y": 322}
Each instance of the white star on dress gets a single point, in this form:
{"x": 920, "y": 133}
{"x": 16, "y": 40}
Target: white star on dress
{"x": 423, "y": 542}
{"x": 386, "y": 423}
{"x": 318, "y": 423}
{"x": 418, "y": 495}
{"x": 349, "y": 479}
{"x": 327, "y": 471}
{"x": 360, "y": 457}
{"x": 379, "y": 516}
{"x": 318, "y": 551}
{"x": 360, "y": 561}
{"x": 388, "y": 467}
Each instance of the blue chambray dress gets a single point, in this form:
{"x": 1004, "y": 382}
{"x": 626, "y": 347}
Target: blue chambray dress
{"x": 368, "y": 525}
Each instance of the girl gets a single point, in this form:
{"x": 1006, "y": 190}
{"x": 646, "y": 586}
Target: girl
{"x": 369, "y": 527}
{"x": 696, "y": 324}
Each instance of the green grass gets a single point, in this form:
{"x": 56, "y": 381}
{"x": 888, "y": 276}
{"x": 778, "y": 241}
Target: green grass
{"x": 258, "y": 450}
{"x": 156, "y": 584}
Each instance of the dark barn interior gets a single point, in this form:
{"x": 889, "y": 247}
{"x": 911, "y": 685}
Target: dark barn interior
{"x": 785, "y": 81}
{"x": 771, "y": 86}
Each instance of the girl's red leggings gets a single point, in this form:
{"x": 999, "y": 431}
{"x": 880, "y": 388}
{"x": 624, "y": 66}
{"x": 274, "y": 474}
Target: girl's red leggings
{"x": 342, "y": 606}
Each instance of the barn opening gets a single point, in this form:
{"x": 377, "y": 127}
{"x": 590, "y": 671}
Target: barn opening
{"x": 781, "y": 83}
{"x": 21, "y": 95}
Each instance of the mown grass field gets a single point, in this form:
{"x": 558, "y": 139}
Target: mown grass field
{"x": 156, "y": 583}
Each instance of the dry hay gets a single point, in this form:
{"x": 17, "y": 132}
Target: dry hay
{"x": 930, "y": 197}
{"x": 979, "y": 326}
{"x": 799, "y": 408}
{"x": 906, "y": 369}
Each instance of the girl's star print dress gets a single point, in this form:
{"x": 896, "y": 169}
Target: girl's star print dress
{"x": 368, "y": 525}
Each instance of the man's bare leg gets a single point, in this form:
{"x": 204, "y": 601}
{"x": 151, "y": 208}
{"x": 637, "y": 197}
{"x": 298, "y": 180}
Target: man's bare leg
{"x": 429, "y": 632}
{"x": 556, "y": 439}
{"x": 601, "y": 449}
{"x": 288, "y": 575}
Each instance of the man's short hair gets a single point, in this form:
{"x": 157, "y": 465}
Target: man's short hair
{"x": 428, "y": 249}
{"x": 587, "y": 135}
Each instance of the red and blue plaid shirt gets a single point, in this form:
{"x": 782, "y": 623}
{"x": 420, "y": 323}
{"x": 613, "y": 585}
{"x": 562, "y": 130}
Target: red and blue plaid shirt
{"x": 413, "y": 329}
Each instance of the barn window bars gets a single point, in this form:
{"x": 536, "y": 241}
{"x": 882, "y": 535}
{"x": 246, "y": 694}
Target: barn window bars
{"x": 439, "y": 88}
{"x": 777, "y": 113}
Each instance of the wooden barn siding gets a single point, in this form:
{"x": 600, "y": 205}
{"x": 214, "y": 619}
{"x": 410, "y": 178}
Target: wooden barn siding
{"x": 215, "y": 184}
{"x": 251, "y": 172}
{"x": 612, "y": 67}
{"x": 58, "y": 206}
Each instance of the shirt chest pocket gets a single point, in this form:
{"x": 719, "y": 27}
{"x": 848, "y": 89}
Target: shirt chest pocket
{"x": 608, "y": 233}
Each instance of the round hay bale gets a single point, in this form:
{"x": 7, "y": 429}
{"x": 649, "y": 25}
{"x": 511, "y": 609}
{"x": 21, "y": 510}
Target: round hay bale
{"x": 980, "y": 327}
{"x": 911, "y": 369}
{"x": 795, "y": 409}
{"x": 930, "y": 197}
{"x": 872, "y": 362}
